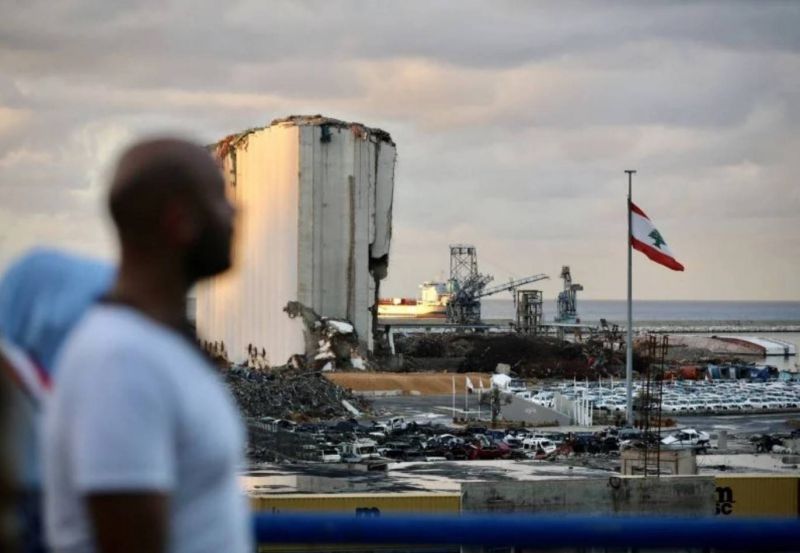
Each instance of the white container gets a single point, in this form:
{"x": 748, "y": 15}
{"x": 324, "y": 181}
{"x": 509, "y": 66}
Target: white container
{"x": 315, "y": 210}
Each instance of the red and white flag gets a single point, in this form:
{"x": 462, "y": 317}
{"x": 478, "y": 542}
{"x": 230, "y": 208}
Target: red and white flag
{"x": 646, "y": 238}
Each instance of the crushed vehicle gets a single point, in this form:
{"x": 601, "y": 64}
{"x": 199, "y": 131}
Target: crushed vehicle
{"x": 358, "y": 451}
{"x": 538, "y": 447}
{"x": 688, "y": 438}
{"x": 481, "y": 448}
{"x": 769, "y": 443}
{"x": 446, "y": 446}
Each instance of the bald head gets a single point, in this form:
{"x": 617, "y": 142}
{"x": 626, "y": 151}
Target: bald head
{"x": 167, "y": 196}
{"x": 152, "y": 173}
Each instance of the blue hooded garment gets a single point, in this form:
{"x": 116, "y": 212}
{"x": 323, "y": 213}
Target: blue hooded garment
{"x": 43, "y": 294}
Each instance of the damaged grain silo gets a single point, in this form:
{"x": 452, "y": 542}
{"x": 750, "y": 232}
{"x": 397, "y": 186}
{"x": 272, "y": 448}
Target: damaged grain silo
{"x": 314, "y": 199}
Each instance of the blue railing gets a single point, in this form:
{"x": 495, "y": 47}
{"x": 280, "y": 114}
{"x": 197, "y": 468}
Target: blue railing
{"x": 541, "y": 532}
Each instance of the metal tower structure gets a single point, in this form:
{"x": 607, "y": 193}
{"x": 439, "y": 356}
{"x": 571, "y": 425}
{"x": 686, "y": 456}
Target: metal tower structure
{"x": 649, "y": 401}
{"x": 528, "y": 307}
{"x": 463, "y": 263}
{"x": 567, "y": 305}
{"x": 465, "y": 282}
{"x": 464, "y": 306}
{"x": 468, "y": 286}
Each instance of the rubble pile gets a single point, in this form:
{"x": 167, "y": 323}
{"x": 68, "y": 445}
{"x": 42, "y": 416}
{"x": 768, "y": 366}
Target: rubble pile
{"x": 265, "y": 444}
{"x": 528, "y": 356}
{"x": 788, "y": 442}
{"x": 330, "y": 343}
{"x": 290, "y": 394}
{"x": 425, "y": 346}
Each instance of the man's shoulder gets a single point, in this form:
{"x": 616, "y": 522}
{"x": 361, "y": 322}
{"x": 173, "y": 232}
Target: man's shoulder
{"x": 113, "y": 334}
{"x": 111, "y": 326}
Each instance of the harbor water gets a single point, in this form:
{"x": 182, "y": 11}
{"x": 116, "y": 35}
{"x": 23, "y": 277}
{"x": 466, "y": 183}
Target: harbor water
{"x": 665, "y": 312}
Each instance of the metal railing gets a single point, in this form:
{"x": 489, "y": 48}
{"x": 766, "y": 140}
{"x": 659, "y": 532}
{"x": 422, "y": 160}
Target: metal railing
{"x": 541, "y": 532}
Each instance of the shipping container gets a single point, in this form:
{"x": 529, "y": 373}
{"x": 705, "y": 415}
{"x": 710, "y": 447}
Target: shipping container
{"x": 363, "y": 504}
{"x": 758, "y": 495}
{"x": 314, "y": 198}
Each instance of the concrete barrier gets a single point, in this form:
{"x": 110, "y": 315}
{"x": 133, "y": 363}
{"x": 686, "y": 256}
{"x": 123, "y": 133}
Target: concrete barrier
{"x": 668, "y": 462}
{"x": 687, "y": 496}
{"x": 521, "y": 410}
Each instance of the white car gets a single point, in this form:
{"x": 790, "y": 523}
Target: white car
{"x": 687, "y": 438}
{"x": 669, "y": 407}
{"x": 534, "y": 446}
{"x": 330, "y": 455}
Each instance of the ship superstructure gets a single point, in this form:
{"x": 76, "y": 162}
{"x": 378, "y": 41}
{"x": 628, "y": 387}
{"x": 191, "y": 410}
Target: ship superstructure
{"x": 432, "y": 303}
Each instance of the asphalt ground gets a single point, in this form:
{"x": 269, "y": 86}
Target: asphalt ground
{"x": 438, "y": 409}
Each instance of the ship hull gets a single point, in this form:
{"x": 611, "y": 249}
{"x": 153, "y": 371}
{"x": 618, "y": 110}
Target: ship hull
{"x": 411, "y": 311}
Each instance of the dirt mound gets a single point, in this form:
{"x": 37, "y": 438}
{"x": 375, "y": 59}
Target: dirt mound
{"x": 528, "y": 356}
{"x": 424, "y": 383}
{"x": 424, "y": 346}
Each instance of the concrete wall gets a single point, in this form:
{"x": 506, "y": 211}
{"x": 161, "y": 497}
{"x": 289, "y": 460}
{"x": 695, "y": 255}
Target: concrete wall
{"x": 314, "y": 197}
{"x": 675, "y": 462}
{"x": 358, "y": 503}
{"x": 693, "y": 495}
{"x": 244, "y": 306}
{"x": 346, "y": 189}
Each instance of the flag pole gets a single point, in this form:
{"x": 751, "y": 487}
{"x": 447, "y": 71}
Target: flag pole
{"x": 466, "y": 400}
{"x": 629, "y": 341}
{"x": 454, "y": 398}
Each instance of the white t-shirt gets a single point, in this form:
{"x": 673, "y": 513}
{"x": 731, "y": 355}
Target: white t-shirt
{"x": 136, "y": 407}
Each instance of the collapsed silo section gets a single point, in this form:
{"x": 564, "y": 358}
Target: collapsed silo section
{"x": 314, "y": 199}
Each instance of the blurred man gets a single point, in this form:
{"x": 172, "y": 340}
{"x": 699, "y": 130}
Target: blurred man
{"x": 142, "y": 440}
{"x": 42, "y": 296}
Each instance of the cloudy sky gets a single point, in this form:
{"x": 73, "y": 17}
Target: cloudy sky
{"x": 514, "y": 122}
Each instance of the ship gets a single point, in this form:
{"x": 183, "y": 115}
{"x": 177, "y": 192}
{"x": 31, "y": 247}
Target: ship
{"x": 432, "y": 303}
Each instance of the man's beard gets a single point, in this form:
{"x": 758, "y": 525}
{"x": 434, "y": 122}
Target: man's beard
{"x": 209, "y": 255}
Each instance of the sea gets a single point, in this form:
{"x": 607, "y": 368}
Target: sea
{"x": 767, "y": 313}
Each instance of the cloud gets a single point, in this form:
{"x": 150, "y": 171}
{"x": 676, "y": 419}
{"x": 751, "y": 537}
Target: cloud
{"x": 513, "y": 121}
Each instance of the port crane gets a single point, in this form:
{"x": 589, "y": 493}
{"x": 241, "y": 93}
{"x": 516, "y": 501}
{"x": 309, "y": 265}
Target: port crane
{"x": 567, "y": 299}
{"x": 464, "y": 306}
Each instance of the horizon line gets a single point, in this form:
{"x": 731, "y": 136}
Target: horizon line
{"x": 665, "y": 300}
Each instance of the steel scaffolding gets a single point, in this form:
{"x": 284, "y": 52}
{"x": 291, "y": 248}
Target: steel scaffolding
{"x": 528, "y": 304}
{"x": 463, "y": 263}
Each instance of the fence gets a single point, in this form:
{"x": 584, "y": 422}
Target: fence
{"x": 540, "y": 532}
{"x": 579, "y": 410}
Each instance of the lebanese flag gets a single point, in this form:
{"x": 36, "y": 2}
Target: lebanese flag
{"x": 646, "y": 238}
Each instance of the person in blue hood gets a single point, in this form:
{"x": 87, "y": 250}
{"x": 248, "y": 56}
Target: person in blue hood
{"x": 43, "y": 294}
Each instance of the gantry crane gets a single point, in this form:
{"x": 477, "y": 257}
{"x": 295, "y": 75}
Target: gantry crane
{"x": 567, "y": 299}
{"x": 464, "y": 306}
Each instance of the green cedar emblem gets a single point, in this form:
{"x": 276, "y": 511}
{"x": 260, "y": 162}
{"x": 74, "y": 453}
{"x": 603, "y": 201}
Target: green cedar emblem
{"x": 657, "y": 239}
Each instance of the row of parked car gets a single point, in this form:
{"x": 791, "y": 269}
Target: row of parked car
{"x": 683, "y": 397}
{"x": 396, "y": 439}
{"x": 726, "y": 397}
